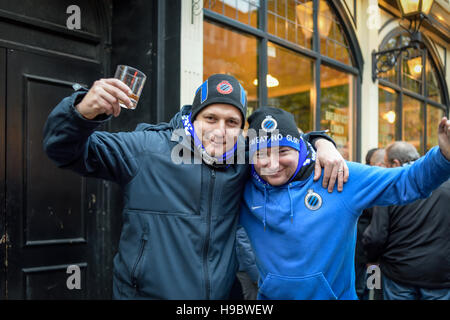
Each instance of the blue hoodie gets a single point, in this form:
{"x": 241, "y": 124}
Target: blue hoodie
{"x": 308, "y": 246}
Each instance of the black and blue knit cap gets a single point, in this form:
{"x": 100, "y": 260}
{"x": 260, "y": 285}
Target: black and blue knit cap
{"x": 272, "y": 126}
{"x": 220, "y": 88}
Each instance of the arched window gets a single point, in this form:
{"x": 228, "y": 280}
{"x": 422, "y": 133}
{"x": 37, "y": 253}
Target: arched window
{"x": 411, "y": 96}
{"x": 299, "y": 55}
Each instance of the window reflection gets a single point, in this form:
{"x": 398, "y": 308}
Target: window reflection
{"x": 230, "y": 52}
{"x": 336, "y": 109}
{"x": 245, "y": 11}
{"x": 434, "y": 91}
{"x": 413, "y": 119}
{"x": 290, "y": 83}
{"x": 387, "y": 117}
{"x": 291, "y": 20}
{"x": 332, "y": 40}
{"x": 434, "y": 116}
{"x": 290, "y": 75}
{"x": 412, "y": 71}
{"x": 416, "y": 72}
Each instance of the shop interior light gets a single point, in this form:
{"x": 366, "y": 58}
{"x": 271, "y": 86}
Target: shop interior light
{"x": 389, "y": 117}
{"x": 271, "y": 81}
{"x": 415, "y": 66}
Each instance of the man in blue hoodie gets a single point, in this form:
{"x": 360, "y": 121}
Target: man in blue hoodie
{"x": 304, "y": 238}
{"x": 179, "y": 218}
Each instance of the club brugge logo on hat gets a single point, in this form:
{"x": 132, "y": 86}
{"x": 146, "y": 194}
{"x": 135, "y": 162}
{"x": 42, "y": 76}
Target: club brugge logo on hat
{"x": 224, "y": 87}
{"x": 269, "y": 124}
{"x": 313, "y": 201}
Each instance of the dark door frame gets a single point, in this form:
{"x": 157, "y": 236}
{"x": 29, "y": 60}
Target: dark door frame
{"x": 3, "y": 234}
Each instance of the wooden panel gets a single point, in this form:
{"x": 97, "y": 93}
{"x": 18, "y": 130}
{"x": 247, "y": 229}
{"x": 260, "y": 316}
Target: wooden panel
{"x": 56, "y": 214}
{"x": 38, "y": 38}
{"x": 50, "y": 211}
{"x": 53, "y": 13}
{"x": 50, "y": 282}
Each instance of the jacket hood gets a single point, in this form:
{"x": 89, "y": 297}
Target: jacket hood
{"x": 174, "y": 123}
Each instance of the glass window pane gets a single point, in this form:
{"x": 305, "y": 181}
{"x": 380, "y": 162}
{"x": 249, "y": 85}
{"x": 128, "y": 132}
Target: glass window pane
{"x": 281, "y": 7}
{"x": 226, "y": 51}
{"x": 292, "y": 36}
{"x": 290, "y": 83}
{"x": 254, "y": 9}
{"x": 332, "y": 39}
{"x": 216, "y": 6}
{"x": 336, "y": 108}
{"x": 245, "y": 11}
{"x": 411, "y": 65}
{"x": 434, "y": 116}
{"x": 291, "y": 10}
{"x": 433, "y": 88}
{"x": 413, "y": 119}
{"x": 271, "y": 23}
{"x": 392, "y": 43}
{"x": 281, "y": 28}
{"x": 387, "y": 117}
{"x": 229, "y": 8}
{"x": 291, "y": 20}
{"x": 391, "y": 74}
{"x": 412, "y": 71}
{"x": 305, "y": 22}
{"x": 271, "y": 5}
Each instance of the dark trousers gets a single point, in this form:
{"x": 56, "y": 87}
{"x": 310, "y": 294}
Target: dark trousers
{"x": 361, "y": 281}
{"x": 397, "y": 291}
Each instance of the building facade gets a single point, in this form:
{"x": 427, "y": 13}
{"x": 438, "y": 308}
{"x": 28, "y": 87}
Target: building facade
{"x": 310, "y": 57}
{"x": 314, "y": 59}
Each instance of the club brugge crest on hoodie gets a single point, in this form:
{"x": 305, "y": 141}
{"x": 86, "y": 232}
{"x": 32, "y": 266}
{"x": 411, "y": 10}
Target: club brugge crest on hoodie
{"x": 313, "y": 201}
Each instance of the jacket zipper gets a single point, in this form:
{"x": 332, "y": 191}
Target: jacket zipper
{"x": 208, "y": 230}
{"x": 141, "y": 252}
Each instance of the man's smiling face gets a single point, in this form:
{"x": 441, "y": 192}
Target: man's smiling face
{"x": 276, "y": 165}
{"x": 218, "y": 127}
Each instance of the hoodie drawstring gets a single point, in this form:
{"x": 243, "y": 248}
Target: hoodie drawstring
{"x": 265, "y": 201}
{"x": 265, "y": 206}
{"x": 290, "y": 200}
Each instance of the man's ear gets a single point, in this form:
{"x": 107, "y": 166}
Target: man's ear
{"x": 396, "y": 163}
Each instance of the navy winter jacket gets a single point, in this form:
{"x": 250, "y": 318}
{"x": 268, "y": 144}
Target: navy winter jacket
{"x": 179, "y": 220}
